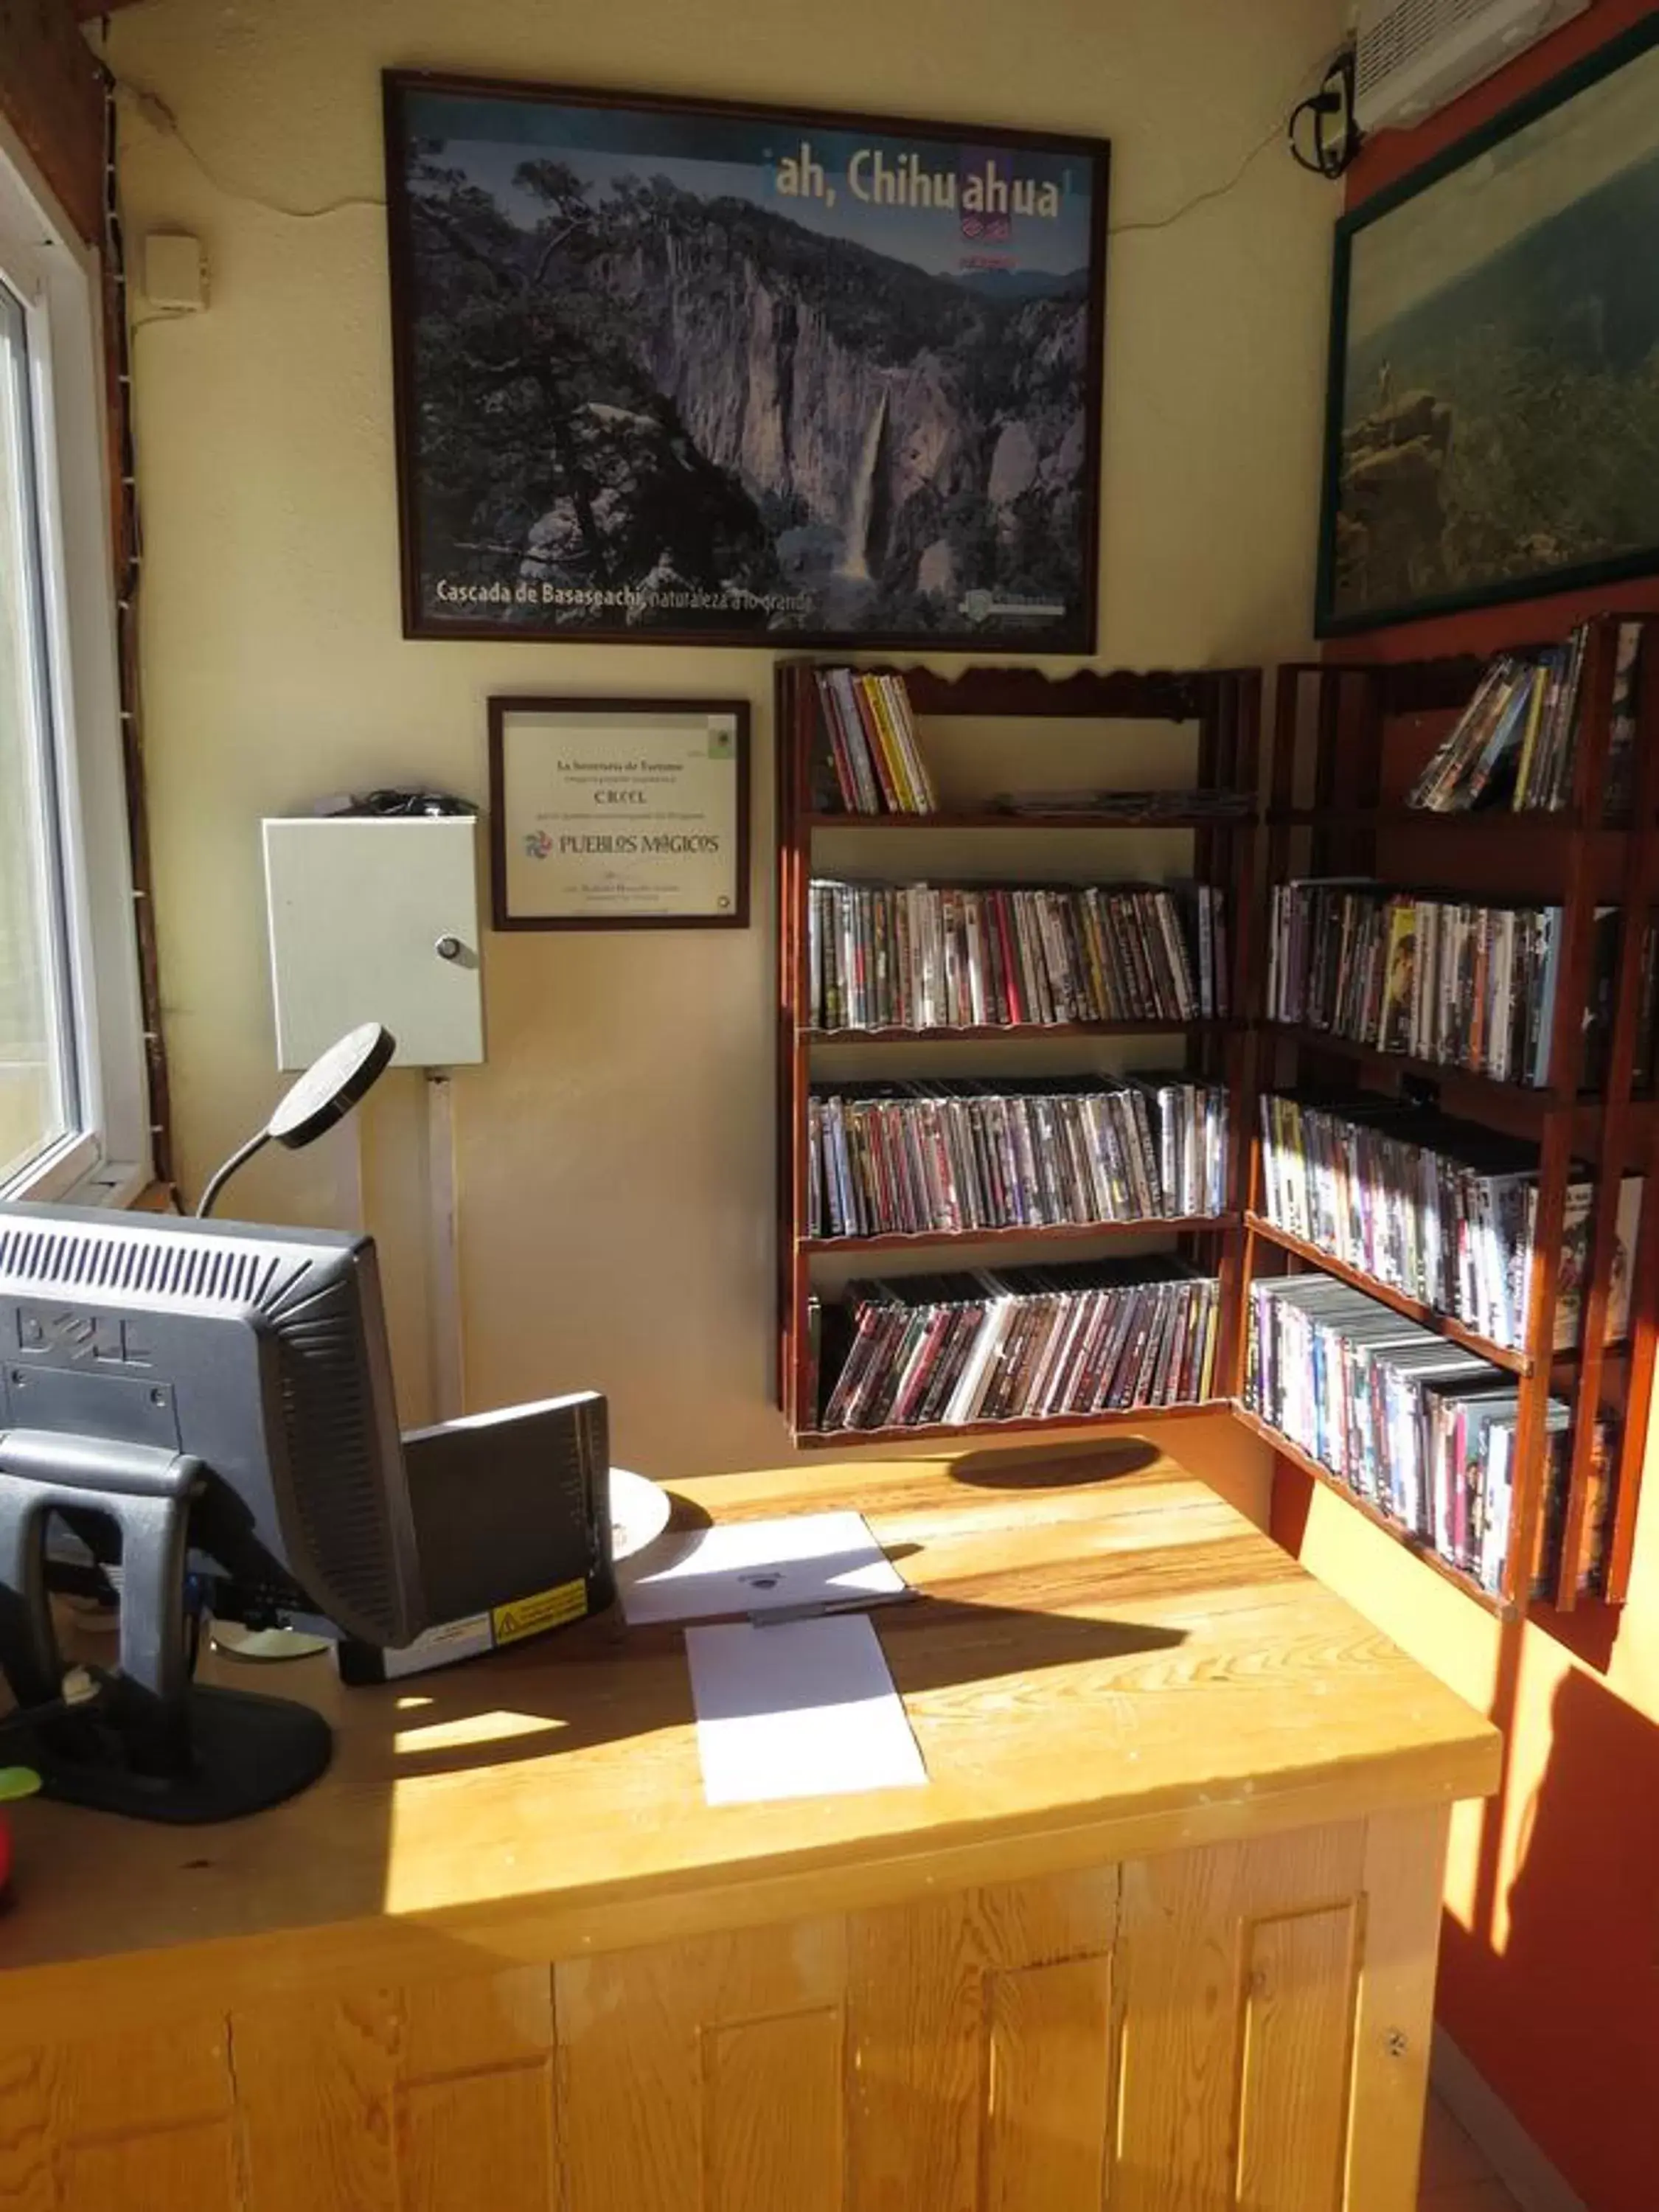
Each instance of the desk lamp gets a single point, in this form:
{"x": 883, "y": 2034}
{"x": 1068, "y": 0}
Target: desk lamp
{"x": 334, "y": 1083}
{"x": 323, "y": 1095}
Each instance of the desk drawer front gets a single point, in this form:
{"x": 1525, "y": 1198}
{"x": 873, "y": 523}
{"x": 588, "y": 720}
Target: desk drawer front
{"x": 1239, "y": 2029}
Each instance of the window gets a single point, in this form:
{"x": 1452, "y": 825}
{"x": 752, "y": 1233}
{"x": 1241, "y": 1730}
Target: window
{"x": 39, "y": 1085}
{"x": 72, "y": 1118}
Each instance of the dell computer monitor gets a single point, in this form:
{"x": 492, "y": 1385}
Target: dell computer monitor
{"x": 189, "y": 1392}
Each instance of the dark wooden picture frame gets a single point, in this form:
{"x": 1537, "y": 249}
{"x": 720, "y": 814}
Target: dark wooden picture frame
{"x": 502, "y": 707}
{"x": 878, "y": 427}
{"x": 1440, "y": 498}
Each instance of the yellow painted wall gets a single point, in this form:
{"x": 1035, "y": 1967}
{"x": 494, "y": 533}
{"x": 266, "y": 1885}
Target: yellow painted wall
{"x": 616, "y": 1153}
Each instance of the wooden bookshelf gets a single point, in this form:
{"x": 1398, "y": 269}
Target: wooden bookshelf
{"x": 1443, "y": 1324}
{"x": 1038, "y": 1233}
{"x": 1224, "y": 707}
{"x": 1379, "y": 1069}
{"x": 1557, "y": 830}
{"x": 1410, "y": 1542}
{"x": 1513, "y": 1362}
{"x": 938, "y": 1032}
{"x": 1347, "y": 739}
{"x": 997, "y": 821}
{"x": 935, "y": 1432}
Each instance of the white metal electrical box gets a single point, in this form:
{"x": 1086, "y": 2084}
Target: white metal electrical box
{"x": 373, "y": 919}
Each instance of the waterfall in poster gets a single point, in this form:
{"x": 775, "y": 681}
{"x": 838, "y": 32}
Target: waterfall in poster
{"x": 855, "y": 559}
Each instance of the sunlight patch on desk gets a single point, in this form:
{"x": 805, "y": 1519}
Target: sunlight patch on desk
{"x": 470, "y": 1728}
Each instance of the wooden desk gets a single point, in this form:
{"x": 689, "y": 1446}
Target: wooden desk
{"x": 1160, "y": 1933}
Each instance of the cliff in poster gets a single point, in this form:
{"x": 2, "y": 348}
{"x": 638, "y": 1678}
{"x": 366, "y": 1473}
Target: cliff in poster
{"x": 638, "y": 405}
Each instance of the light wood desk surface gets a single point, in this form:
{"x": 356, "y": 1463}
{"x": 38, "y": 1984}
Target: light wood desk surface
{"x": 1095, "y": 1670}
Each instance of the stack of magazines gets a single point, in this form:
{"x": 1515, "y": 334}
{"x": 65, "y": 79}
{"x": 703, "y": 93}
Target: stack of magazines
{"x": 916, "y": 1158}
{"x": 1516, "y": 742}
{"x": 873, "y": 749}
{"x": 917, "y": 956}
{"x": 1441, "y": 1209}
{"x": 1424, "y": 1431}
{"x": 1019, "y": 1344}
{"x": 1471, "y": 986}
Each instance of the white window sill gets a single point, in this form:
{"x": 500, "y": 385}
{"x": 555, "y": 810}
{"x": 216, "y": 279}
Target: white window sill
{"x": 114, "y": 1186}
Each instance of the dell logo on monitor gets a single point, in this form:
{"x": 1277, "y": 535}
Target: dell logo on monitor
{"x": 76, "y": 1338}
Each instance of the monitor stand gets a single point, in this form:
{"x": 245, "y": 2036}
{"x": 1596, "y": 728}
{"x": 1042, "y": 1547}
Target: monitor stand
{"x": 154, "y": 1745}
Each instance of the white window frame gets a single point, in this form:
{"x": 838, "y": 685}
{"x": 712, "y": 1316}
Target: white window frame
{"x": 107, "y": 1159}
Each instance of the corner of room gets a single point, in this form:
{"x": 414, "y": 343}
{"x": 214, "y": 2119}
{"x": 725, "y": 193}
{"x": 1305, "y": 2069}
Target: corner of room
{"x": 874, "y": 797}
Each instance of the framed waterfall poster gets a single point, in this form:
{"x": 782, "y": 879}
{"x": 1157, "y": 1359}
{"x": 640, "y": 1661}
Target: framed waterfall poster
{"x": 700, "y": 373}
{"x": 619, "y": 813}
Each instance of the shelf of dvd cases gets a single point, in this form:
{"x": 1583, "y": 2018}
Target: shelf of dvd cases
{"x": 1347, "y": 740}
{"x": 978, "y": 1032}
{"x": 1557, "y": 830}
{"x": 1360, "y": 717}
{"x": 1221, "y": 709}
{"x": 1137, "y": 1416}
{"x": 1534, "y": 1099}
{"x": 1443, "y": 1324}
{"x": 1046, "y": 1232}
{"x": 1406, "y": 1539}
{"x": 1097, "y": 818}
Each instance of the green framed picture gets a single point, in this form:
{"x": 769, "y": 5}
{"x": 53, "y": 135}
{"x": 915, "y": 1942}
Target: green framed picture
{"x": 1493, "y": 419}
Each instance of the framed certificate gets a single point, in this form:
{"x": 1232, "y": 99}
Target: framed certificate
{"x": 619, "y": 813}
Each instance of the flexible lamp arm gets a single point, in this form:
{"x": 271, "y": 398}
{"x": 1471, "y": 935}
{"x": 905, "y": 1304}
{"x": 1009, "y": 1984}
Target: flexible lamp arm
{"x": 222, "y": 1174}
{"x": 323, "y": 1095}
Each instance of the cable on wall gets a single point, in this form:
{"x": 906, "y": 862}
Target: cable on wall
{"x": 129, "y": 564}
{"x": 1320, "y": 105}
{"x": 1322, "y": 133}
{"x": 153, "y": 110}
{"x": 154, "y": 113}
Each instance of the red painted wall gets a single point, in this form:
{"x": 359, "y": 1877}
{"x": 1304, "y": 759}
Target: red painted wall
{"x": 1550, "y": 1961}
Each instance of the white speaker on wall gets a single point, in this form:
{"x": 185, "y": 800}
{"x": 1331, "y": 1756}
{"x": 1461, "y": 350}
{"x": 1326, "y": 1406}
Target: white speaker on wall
{"x": 1413, "y": 56}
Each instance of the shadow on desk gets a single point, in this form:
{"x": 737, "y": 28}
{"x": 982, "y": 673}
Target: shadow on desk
{"x": 1050, "y": 1467}
{"x": 568, "y": 1693}
{"x": 991, "y": 1604}
{"x": 562, "y": 1777}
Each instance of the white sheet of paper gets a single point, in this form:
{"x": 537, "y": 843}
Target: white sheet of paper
{"x": 751, "y": 1566}
{"x": 805, "y": 1710}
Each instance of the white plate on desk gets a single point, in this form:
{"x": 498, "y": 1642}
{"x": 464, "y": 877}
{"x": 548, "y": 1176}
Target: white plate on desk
{"x": 639, "y": 1512}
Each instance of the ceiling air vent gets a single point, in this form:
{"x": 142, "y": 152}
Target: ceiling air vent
{"x": 1413, "y": 56}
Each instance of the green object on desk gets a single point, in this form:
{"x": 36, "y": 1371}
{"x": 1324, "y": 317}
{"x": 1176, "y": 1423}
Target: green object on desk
{"x": 17, "y": 1782}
